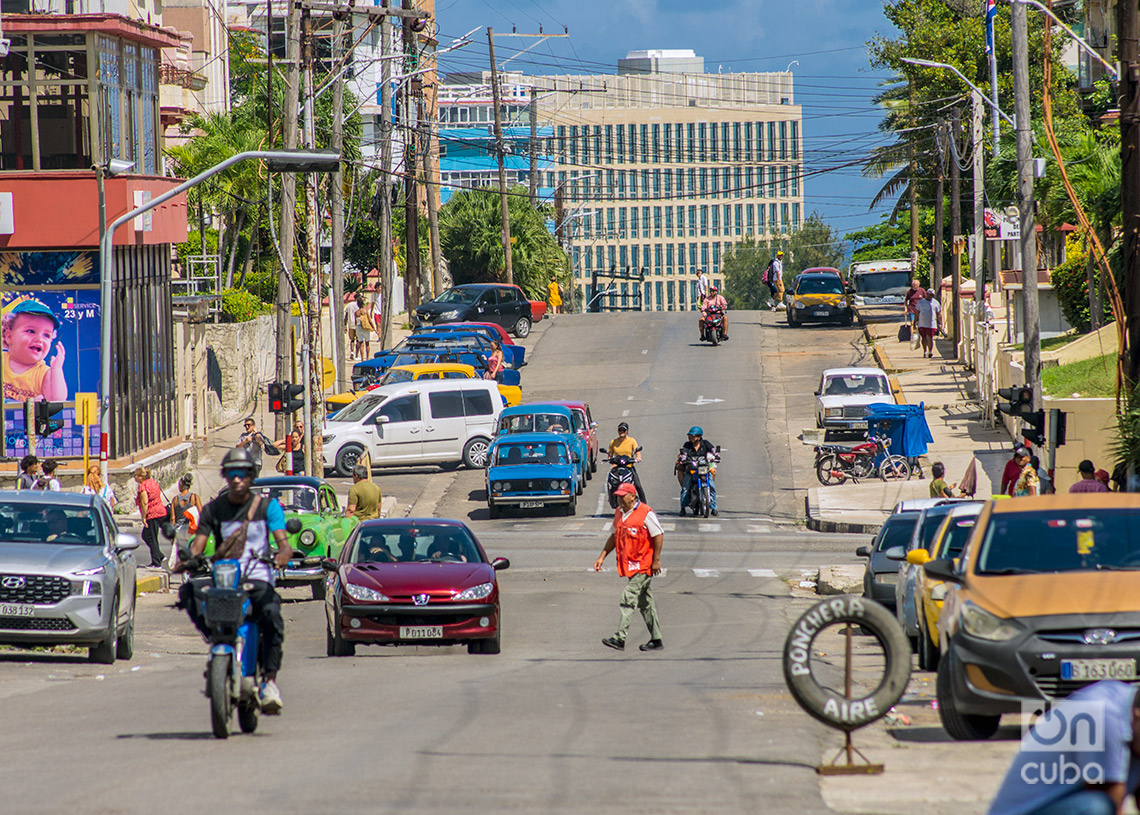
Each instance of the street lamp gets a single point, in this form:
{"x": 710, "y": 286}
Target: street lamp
{"x": 929, "y": 63}
{"x": 294, "y": 161}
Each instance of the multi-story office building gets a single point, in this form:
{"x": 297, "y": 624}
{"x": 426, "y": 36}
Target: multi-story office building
{"x": 661, "y": 168}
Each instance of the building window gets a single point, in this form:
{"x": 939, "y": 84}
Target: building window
{"x": 657, "y": 222}
{"x": 634, "y": 230}
{"x": 783, "y": 141}
{"x": 680, "y": 222}
{"x": 645, "y": 222}
{"x": 693, "y": 262}
{"x": 726, "y": 182}
{"x": 634, "y": 260}
{"x": 783, "y": 182}
{"x": 668, "y": 184}
{"x": 666, "y": 153}
{"x": 772, "y": 182}
{"x": 657, "y": 258}
{"x": 622, "y": 224}
{"x": 715, "y": 182}
{"x": 670, "y": 287}
{"x": 704, "y": 175}
{"x": 692, "y": 220}
{"x": 691, "y": 146}
{"x": 623, "y": 257}
{"x": 611, "y": 251}
{"x": 750, "y": 214}
{"x": 609, "y": 144}
{"x": 760, "y": 219}
{"x": 795, "y": 140}
{"x": 773, "y": 223}
{"x": 748, "y": 182}
{"x": 713, "y": 142}
{"x": 748, "y": 141}
{"x": 788, "y": 226}
{"x": 795, "y": 181}
{"x": 704, "y": 221}
{"x": 716, "y": 255}
{"x": 646, "y": 148}
{"x": 610, "y": 228}
{"x": 669, "y": 265}
{"x": 715, "y": 219}
{"x": 704, "y": 256}
{"x": 660, "y": 304}
{"x": 771, "y": 141}
{"x": 668, "y": 222}
{"x": 796, "y": 222}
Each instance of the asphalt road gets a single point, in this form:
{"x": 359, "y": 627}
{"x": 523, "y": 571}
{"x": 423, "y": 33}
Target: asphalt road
{"x": 557, "y": 722}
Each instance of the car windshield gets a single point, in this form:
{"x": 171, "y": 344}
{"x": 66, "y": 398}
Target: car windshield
{"x": 359, "y": 409}
{"x": 897, "y": 532}
{"x": 881, "y": 282}
{"x": 820, "y": 285}
{"x": 424, "y": 542}
{"x": 537, "y": 452}
{"x": 957, "y": 533}
{"x": 36, "y": 522}
{"x": 931, "y": 520}
{"x": 855, "y": 385}
{"x": 533, "y": 423}
{"x": 1060, "y": 540}
{"x": 395, "y": 377}
{"x": 295, "y": 498}
{"x": 458, "y": 296}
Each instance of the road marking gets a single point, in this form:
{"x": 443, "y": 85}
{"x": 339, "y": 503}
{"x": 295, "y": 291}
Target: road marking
{"x": 601, "y": 503}
{"x": 757, "y": 529}
{"x": 608, "y": 527}
{"x": 761, "y": 572}
{"x": 625, "y": 413}
{"x": 629, "y": 398}
{"x": 708, "y": 527}
{"x": 645, "y": 350}
{"x": 701, "y": 400}
{"x": 706, "y": 572}
{"x": 668, "y": 526}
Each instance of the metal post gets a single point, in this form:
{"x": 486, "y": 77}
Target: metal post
{"x": 955, "y": 232}
{"x": 386, "y": 185}
{"x": 1128, "y": 45}
{"x": 411, "y": 161}
{"x": 505, "y": 214}
{"x": 939, "y": 195}
{"x": 288, "y": 229}
{"x": 336, "y": 300}
{"x": 533, "y": 146}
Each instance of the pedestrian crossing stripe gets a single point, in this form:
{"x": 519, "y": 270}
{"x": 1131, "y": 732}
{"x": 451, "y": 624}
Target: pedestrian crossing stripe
{"x": 757, "y": 529}
{"x": 714, "y": 573}
{"x": 708, "y": 527}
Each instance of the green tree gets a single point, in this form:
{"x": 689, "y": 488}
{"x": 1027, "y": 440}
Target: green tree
{"x": 814, "y": 244}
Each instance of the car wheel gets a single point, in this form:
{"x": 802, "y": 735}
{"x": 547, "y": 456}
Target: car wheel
{"x": 522, "y": 328}
{"x": 594, "y": 463}
{"x": 319, "y": 589}
{"x": 927, "y": 651}
{"x": 475, "y": 453}
{"x": 493, "y": 510}
{"x": 487, "y": 646}
{"x": 791, "y": 320}
{"x": 104, "y": 652}
{"x": 572, "y": 507}
{"x": 960, "y": 726}
{"x": 848, "y": 320}
{"x": 580, "y": 488}
{"x": 336, "y": 645}
{"x": 125, "y": 648}
{"x": 346, "y": 459}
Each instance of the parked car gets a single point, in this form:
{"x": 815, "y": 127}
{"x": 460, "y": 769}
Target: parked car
{"x": 482, "y": 302}
{"x": 442, "y": 422}
{"x": 492, "y": 331}
{"x": 547, "y": 418}
{"x": 67, "y": 574}
{"x": 413, "y": 581}
{"x": 512, "y": 394}
{"x": 843, "y": 395}
{"x": 882, "y": 570}
{"x": 514, "y": 356}
{"x": 584, "y": 426}
{"x": 369, "y": 372}
{"x": 819, "y": 297}
{"x": 532, "y": 471}
{"x": 929, "y": 593}
{"x": 1044, "y": 600}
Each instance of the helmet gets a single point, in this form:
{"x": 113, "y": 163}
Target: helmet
{"x": 695, "y": 431}
{"x": 623, "y": 426}
{"x": 712, "y": 289}
{"x": 238, "y": 458}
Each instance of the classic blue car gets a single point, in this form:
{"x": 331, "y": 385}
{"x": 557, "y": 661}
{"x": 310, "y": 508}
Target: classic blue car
{"x": 367, "y": 372}
{"x": 548, "y": 419}
{"x": 474, "y": 338}
{"x": 532, "y": 471}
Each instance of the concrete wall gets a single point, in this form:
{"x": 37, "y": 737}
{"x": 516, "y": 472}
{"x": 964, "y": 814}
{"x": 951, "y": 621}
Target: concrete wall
{"x": 239, "y": 361}
{"x": 1090, "y": 429}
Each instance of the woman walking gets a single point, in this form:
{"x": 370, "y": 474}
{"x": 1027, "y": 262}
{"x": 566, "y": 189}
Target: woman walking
{"x": 184, "y": 500}
{"x": 95, "y": 486}
{"x": 298, "y": 448}
{"x": 152, "y": 511}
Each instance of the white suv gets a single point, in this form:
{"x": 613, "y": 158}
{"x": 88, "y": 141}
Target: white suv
{"x": 418, "y": 422}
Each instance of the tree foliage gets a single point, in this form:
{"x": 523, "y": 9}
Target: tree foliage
{"x": 815, "y": 243}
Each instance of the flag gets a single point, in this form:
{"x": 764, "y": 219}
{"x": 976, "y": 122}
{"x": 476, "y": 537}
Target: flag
{"x": 991, "y": 13}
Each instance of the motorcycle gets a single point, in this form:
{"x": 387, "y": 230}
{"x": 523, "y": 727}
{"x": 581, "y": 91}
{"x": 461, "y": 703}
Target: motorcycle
{"x": 835, "y": 463}
{"x": 621, "y": 472}
{"x": 713, "y": 330}
{"x": 699, "y": 469}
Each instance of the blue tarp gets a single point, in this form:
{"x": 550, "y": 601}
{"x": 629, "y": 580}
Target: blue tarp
{"x": 905, "y": 425}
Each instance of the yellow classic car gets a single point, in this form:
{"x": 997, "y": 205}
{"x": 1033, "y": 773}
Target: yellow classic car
{"x": 512, "y": 394}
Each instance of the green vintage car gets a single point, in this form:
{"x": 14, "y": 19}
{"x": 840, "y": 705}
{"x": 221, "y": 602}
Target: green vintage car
{"x": 324, "y": 528}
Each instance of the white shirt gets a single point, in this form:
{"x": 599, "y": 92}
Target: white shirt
{"x": 927, "y": 311}
{"x": 652, "y": 525}
{"x": 778, "y": 268}
{"x": 702, "y": 285}
{"x": 350, "y": 314}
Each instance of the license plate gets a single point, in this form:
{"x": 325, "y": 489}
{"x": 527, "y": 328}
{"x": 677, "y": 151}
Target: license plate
{"x": 820, "y": 312}
{"x": 1092, "y": 670}
{"x": 532, "y": 504}
{"x": 421, "y": 632}
{"x": 859, "y": 425}
{"x": 16, "y": 610}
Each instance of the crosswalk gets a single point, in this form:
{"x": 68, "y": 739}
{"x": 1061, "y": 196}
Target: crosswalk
{"x": 590, "y": 526}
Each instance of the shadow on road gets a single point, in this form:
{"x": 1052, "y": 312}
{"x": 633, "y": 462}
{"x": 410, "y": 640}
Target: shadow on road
{"x": 204, "y": 736}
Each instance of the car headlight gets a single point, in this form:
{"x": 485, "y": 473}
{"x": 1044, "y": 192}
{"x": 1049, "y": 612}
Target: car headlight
{"x": 100, "y": 569}
{"x": 798, "y": 304}
{"x": 497, "y": 486}
{"x": 842, "y": 304}
{"x": 977, "y": 622}
{"x": 564, "y": 484}
{"x": 365, "y": 594}
{"x": 506, "y": 486}
{"x": 832, "y": 413}
{"x": 327, "y": 438}
{"x": 939, "y": 592}
{"x": 554, "y": 484}
{"x": 480, "y": 592}
{"x": 307, "y": 537}
{"x": 449, "y": 315}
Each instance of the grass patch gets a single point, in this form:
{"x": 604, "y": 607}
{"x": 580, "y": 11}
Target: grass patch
{"x": 1089, "y": 377}
{"x": 1052, "y": 342}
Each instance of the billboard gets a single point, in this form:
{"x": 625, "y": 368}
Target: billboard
{"x": 1002, "y": 226}
{"x": 49, "y": 324}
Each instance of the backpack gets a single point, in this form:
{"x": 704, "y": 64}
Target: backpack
{"x": 767, "y": 277}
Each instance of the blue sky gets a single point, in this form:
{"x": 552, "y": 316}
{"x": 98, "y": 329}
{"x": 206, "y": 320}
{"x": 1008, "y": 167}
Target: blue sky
{"x": 833, "y": 80}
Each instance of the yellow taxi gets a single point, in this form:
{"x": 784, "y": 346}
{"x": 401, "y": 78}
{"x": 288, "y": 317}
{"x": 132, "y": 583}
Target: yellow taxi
{"x": 948, "y": 542}
{"x": 512, "y": 394}
{"x": 819, "y": 296}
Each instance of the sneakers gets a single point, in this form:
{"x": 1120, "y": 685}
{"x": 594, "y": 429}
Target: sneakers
{"x": 652, "y": 645}
{"x": 714, "y": 512}
{"x": 614, "y": 642}
{"x": 270, "y": 698}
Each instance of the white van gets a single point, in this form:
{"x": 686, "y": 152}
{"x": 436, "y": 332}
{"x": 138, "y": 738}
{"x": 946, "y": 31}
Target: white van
{"x": 421, "y": 422}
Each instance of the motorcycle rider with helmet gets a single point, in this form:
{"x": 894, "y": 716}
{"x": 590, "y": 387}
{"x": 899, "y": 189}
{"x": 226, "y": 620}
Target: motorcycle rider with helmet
{"x": 236, "y": 509}
{"x": 626, "y": 445}
{"x": 717, "y": 301}
{"x": 697, "y": 446}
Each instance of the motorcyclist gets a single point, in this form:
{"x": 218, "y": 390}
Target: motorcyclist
{"x": 261, "y": 516}
{"x": 626, "y": 445}
{"x": 698, "y": 447}
{"x": 717, "y": 301}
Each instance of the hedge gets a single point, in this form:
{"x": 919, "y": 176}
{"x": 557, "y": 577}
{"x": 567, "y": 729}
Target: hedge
{"x": 1071, "y": 285}
{"x": 239, "y": 306}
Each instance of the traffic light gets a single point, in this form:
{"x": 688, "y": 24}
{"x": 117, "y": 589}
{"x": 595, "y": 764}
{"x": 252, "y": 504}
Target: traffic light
{"x": 45, "y": 425}
{"x": 1019, "y": 400}
{"x": 283, "y": 397}
{"x": 1060, "y": 427}
{"x": 1034, "y": 430}
{"x": 276, "y": 397}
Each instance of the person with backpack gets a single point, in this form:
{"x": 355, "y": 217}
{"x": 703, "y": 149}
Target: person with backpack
{"x": 48, "y": 482}
{"x": 184, "y": 500}
{"x": 773, "y": 278}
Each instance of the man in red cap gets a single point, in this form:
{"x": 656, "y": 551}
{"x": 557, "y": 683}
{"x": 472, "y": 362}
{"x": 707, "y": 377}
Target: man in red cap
{"x": 637, "y": 537}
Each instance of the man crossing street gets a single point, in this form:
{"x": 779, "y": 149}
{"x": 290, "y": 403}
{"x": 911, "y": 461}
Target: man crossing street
{"x": 637, "y": 537}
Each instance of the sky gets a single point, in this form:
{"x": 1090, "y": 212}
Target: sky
{"x": 834, "y": 82}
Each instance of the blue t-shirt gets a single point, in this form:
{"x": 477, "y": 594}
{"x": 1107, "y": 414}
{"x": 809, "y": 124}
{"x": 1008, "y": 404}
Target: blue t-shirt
{"x": 1040, "y": 775}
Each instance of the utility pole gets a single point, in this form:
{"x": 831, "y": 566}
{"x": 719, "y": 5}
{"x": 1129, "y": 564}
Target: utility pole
{"x": 955, "y": 232}
{"x": 430, "y": 116}
{"x": 912, "y": 190}
{"x": 1128, "y": 52}
{"x": 284, "y": 301}
{"x": 509, "y": 273}
{"x": 314, "y": 403}
{"x": 336, "y": 301}
{"x": 534, "y": 147}
{"x": 1025, "y": 199}
{"x": 939, "y": 194}
{"x": 411, "y": 192}
{"x": 387, "y": 282}
{"x": 977, "y": 251}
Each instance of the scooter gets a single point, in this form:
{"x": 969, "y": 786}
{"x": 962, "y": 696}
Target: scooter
{"x": 699, "y": 469}
{"x": 714, "y": 326}
{"x": 620, "y": 473}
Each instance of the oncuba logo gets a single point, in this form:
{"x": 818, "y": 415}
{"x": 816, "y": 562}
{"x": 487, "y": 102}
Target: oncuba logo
{"x": 1064, "y": 737}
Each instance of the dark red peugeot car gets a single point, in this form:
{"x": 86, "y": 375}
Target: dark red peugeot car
{"x": 412, "y": 581}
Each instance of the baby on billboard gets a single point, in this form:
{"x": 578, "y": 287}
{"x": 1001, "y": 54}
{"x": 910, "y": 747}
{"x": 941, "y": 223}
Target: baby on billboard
{"x": 29, "y": 328}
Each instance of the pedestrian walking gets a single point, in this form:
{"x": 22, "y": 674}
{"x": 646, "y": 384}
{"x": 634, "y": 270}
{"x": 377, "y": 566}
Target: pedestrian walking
{"x": 1088, "y": 481}
{"x": 637, "y": 538}
{"x": 152, "y": 511}
{"x": 29, "y": 472}
{"x": 928, "y": 321}
{"x": 184, "y": 499}
{"x": 554, "y": 296}
{"x": 1044, "y": 480}
{"x": 1103, "y": 477}
{"x": 364, "y": 496}
{"x": 1012, "y": 470}
{"x": 350, "y": 309}
{"x": 1027, "y": 482}
{"x": 47, "y": 480}
{"x": 95, "y": 486}
{"x": 913, "y": 295}
{"x": 256, "y": 442}
{"x": 702, "y": 287}
{"x": 365, "y": 330}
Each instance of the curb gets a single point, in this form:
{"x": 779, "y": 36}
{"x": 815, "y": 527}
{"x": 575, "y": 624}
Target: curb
{"x": 152, "y": 583}
{"x": 817, "y": 524}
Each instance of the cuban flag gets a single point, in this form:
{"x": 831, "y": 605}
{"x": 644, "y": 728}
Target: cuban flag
{"x": 991, "y": 13}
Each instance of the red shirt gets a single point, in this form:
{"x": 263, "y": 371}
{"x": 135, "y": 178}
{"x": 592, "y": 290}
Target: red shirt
{"x": 634, "y": 547}
{"x": 154, "y": 504}
{"x": 912, "y": 297}
{"x": 1009, "y": 476}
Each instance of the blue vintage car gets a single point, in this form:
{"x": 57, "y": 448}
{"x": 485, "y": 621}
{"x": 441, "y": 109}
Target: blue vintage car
{"x": 367, "y": 372}
{"x": 476, "y": 338}
{"x": 532, "y": 471}
{"x": 547, "y": 419}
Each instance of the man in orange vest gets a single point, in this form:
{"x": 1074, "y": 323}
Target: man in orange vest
{"x": 637, "y": 537}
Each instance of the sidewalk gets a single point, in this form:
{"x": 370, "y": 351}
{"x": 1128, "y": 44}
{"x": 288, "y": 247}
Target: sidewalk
{"x": 946, "y": 388}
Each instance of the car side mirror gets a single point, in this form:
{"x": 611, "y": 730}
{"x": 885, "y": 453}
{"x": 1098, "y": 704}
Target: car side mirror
{"x": 593, "y": 425}
{"x": 293, "y": 526}
{"x": 383, "y": 419}
{"x": 895, "y": 553}
{"x": 500, "y": 563}
{"x": 816, "y": 393}
{"x": 167, "y": 531}
{"x": 328, "y": 564}
{"x": 125, "y": 542}
{"x": 942, "y": 570}
{"x": 917, "y": 557}
{"x": 863, "y": 551}
{"x": 574, "y": 458}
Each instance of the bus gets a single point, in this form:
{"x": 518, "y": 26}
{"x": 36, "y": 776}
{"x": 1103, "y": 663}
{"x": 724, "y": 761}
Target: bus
{"x": 880, "y": 282}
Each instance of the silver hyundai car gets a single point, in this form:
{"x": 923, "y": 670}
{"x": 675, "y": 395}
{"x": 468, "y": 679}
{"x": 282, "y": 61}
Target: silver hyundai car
{"x": 67, "y": 575}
